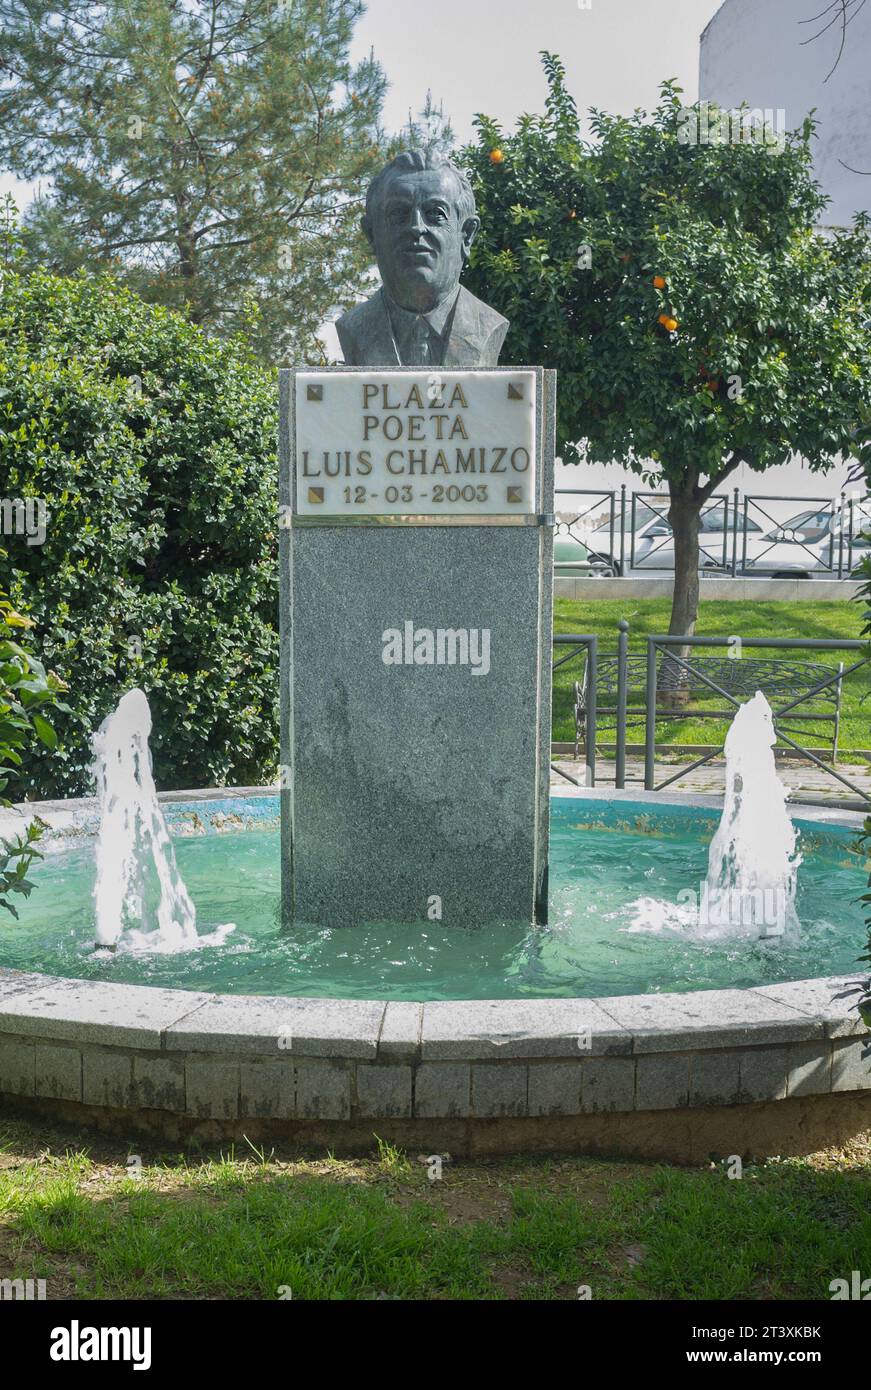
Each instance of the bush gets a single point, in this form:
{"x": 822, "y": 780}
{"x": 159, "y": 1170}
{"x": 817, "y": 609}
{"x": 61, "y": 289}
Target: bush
{"x": 153, "y": 448}
{"x": 25, "y": 691}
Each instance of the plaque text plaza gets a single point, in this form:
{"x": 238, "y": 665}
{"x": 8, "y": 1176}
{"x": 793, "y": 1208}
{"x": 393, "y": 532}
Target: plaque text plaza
{"x": 416, "y": 448}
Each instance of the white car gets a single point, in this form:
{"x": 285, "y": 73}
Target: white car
{"x": 604, "y": 540}
{"x": 810, "y": 543}
{"x": 654, "y": 543}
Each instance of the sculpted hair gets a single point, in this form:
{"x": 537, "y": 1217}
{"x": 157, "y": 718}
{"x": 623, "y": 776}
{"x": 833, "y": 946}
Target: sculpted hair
{"x": 416, "y": 161}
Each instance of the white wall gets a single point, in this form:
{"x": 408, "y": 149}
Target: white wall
{"x": 793, "y": 479}
{"x": 758, "y": 51}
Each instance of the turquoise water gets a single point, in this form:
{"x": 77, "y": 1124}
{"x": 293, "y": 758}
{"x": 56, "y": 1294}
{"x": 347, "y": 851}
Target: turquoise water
{"x": 605, "y": 857}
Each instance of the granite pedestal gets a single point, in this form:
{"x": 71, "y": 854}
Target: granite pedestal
{"x": 416, "y": 650}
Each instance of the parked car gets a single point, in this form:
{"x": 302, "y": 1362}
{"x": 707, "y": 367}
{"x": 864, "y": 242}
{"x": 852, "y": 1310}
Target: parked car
{"x": 604, "y": 539}
{"x": 654, "y": 543}
{"x": 572, "y": 559}
{"x": 810, "y": 543}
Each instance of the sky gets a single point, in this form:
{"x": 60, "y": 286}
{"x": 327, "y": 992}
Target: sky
{"x": 482, "y": 55}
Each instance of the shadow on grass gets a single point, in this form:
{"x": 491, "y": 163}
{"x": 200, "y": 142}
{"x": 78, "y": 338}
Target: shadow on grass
{"x": 520, "y": 1229}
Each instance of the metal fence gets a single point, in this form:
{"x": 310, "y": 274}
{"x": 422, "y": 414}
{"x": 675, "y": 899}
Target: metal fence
{"x": 588, "y": 644}
{"x": 670, "y": 645}
{"x": 747, "y": 535}
{"x": 790, "y": 710}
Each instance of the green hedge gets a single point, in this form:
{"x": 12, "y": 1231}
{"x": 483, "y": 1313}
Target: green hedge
{"x": 154, "y": 449}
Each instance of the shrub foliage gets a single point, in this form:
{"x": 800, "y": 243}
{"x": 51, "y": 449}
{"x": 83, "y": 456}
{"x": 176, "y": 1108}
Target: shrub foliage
{"x": 26, "y": 693}
{"x": 153, "y": 450}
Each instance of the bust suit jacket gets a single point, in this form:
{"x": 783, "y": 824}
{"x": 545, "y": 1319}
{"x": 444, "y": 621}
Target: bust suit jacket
{"x": 475, "y": 335}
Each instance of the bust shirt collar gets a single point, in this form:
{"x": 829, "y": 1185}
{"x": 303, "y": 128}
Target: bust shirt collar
{"x": 437, "y": 318}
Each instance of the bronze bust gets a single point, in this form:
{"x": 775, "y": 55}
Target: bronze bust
{"x": 421, "y": 221}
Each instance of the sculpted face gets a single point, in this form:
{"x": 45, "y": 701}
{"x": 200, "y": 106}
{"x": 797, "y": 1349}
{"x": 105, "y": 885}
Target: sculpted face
{"x": 419, "y": 238}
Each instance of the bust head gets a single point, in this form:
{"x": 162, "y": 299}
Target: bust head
{"x": 420, "y": 221}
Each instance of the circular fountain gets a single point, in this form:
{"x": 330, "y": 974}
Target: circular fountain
{"x": 693, "y": 993}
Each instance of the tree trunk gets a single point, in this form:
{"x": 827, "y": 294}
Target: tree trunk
{"x": 683, "y": 516}
{"x": 186, "y": 248}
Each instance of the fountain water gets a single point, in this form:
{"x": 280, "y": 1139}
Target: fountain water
{"x": 604, "y": 855}
{"x": 752, "y": 860}
{"x": 139, "y": 894}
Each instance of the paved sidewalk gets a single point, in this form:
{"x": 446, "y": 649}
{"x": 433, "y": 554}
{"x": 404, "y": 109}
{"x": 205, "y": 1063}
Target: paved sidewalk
{"x": 804, "y": 779}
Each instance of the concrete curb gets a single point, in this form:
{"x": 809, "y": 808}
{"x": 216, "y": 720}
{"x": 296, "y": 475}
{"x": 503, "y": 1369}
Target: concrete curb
{"x": 737, "y": 590}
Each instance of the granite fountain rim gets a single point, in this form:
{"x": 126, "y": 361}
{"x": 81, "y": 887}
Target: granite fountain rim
{"x": 63, "y": 813}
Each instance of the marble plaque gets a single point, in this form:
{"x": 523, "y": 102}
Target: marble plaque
{"x": 421, "y": 443}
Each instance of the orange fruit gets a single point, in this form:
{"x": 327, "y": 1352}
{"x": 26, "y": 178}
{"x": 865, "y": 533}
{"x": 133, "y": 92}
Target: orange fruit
{"x": 667, "y": 322}
{"x": 659, "y": 282}
{"x": 497, "y": 157}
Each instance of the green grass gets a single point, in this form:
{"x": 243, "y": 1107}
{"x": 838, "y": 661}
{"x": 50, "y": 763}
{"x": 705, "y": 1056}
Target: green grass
{"x": 254, "y": 1225}
{"x": 756, "y": 619}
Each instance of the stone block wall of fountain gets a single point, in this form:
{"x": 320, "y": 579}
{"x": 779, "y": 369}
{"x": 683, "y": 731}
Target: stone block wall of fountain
{"x": 781, "y": 1069}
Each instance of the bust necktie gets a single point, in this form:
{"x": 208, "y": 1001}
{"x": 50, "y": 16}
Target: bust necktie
{"x": 418, "y": 353}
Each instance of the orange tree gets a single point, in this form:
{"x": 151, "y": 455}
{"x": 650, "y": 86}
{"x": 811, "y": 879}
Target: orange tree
{"x": 696, "y": 316}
